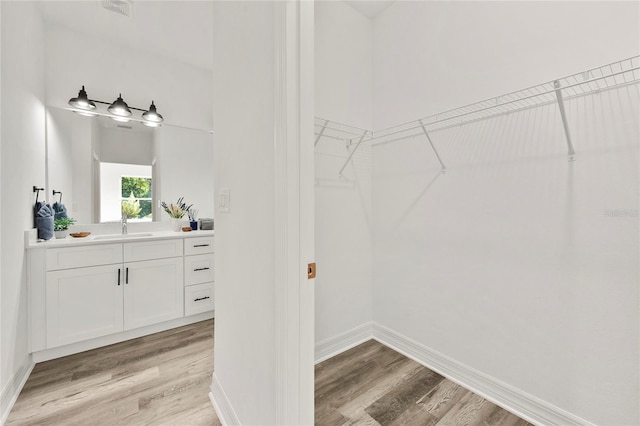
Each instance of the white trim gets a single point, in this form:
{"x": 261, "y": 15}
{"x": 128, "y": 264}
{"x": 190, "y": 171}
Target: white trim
{"x": 293, "y": 147}
{"x": 286, "y": 198}
{"x": 333, "y": 346}
{"x": 518, "y": 402}
{"x": 222, "y": 405}
{"x": 11, "y": 391}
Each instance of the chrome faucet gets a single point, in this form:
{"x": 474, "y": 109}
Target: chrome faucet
{"x": 124, "y": 224}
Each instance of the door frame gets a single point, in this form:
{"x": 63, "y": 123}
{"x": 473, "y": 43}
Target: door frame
{"x": 294, "y": 211}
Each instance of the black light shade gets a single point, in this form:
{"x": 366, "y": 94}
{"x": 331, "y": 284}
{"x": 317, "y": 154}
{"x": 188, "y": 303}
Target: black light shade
{"x": 119, "y": 107}
{"x": 152, "y": 115}
{"x": 82, "y": 101}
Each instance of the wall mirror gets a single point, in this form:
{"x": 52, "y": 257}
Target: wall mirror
{"x": 98, "y": 164}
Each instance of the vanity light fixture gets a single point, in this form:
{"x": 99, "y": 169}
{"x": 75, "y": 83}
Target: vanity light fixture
{"x": 118, "y": 110}
{"x": 119, "y": 107}
{"x": 151, "y": 117}
{"x": 82, "y": 101}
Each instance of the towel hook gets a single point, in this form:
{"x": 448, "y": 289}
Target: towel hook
{"x": 37, "y": 191}
{"x": 58, "y": 192}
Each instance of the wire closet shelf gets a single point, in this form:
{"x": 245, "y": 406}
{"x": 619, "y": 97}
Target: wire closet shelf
{"x": 606, "y": 77}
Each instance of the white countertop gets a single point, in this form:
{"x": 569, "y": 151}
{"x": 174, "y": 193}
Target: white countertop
{"x": 109, "y": 238}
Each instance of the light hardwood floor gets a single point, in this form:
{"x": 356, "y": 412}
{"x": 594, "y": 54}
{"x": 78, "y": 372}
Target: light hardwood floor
{"x": 372, "y": 384}
{"x": 164, "y": 379}
{"x": 161, "y": 379}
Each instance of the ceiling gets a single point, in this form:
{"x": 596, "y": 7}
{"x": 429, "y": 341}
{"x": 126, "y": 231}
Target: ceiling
{"x": 181, "y": 30}
{"x": 369, "y": 8}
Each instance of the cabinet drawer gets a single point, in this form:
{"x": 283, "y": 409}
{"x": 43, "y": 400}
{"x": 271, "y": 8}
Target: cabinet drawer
{"x": 200, "y": 245}
{"x": 198, "y": 298}
{"x": 147, "y": 250}
{"x": 198, "y": 269}
{"x": 78, "y": 257}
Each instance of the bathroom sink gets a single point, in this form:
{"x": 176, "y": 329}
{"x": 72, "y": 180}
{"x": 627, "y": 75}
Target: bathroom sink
{"x": 120, "y": 236}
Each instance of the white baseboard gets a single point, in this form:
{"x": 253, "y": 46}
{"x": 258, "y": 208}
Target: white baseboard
{"x": 222, "y": 405}
{"x": 518, "y": 402}
{"x": 333, "y": 346}
{"x": 11, "y": 391}
{"x": 98, "y": 342}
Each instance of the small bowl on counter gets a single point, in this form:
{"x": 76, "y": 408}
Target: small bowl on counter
{"x": 80, "y": 234}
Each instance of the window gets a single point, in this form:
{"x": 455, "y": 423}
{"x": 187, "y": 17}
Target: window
{"x": 125, "y": 186}
{"x": 136, "y": 197}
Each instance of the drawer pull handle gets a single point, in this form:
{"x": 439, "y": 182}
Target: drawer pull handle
{"x": 201, "y": 269}
{"x": 201, "y": 245}
{"x": 201, "y": 298}
{"x": 118, "y": 276}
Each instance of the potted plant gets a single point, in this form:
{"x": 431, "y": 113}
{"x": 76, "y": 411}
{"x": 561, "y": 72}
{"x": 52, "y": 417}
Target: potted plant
{"x": 61, "y": 226}
{"x": 176, "y": 211}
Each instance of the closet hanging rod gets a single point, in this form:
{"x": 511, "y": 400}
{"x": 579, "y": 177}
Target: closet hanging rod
{"x": 356, "y": 130}
{"x": 621, "y": 64}
{"x": 334, "y": 129}
{"x": 614, "y": 75}
{"x": 415, "y": 125}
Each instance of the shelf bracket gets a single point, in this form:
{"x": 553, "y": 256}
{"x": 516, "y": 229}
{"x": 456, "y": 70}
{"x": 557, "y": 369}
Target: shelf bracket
{"x": 353, "y": 151}
{"x": 435, "y": 151}
{"x": 324, "y": 126}
{"x": 565, "y": 124}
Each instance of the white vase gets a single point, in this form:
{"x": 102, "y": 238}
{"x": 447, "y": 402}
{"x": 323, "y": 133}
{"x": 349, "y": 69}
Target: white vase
{"x": 176, "y": 224}
{"x": 61, "y": 234}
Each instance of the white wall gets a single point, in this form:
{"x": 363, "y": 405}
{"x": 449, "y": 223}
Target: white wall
{"x": 243, "y": 96}
{"x": 22, "y": 154}
{"x": 344, "y": 77}
{"x": 124, "y": 145}
{"x": 516, "y": 263}
{"x": 106, "y": 69}
{"x": 60, "y": 156}
{"x": 437, "y": 55}
{"x": 343, "y": 206}
{"x": 184, "y": 159}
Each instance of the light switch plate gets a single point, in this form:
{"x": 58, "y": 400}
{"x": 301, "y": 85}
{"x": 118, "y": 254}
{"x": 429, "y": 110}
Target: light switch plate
{"x": 224, "y": 201}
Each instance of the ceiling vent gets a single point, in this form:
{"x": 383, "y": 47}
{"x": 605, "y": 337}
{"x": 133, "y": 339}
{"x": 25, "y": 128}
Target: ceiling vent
{"x": 121, "y": 7}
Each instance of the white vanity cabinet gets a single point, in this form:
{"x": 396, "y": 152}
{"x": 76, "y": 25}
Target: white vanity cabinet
{"x": 88, "y": 295}
{"x": 86, "y": 301}
{"x": 83, "y": 293}
{"x": 152, "y": 292}
{"x": 198, "y": 273}
{"x": 83, "y": 303}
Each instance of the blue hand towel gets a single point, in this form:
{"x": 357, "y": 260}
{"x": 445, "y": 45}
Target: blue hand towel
{"x": 60, "y": 211}
{"x": 44, "y": 221}
{"x": 44, "y": 211}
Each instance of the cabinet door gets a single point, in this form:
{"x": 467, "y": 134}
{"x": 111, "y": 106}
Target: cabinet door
{"x": 83, "y": 303}
{"x": 153, "y": 292}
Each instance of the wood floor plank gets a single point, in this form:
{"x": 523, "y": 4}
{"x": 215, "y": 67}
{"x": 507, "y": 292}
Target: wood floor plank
{"x": 395, "y": 402}
{"x": 373, "y": 385}
{"x": 163, "y": 380}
